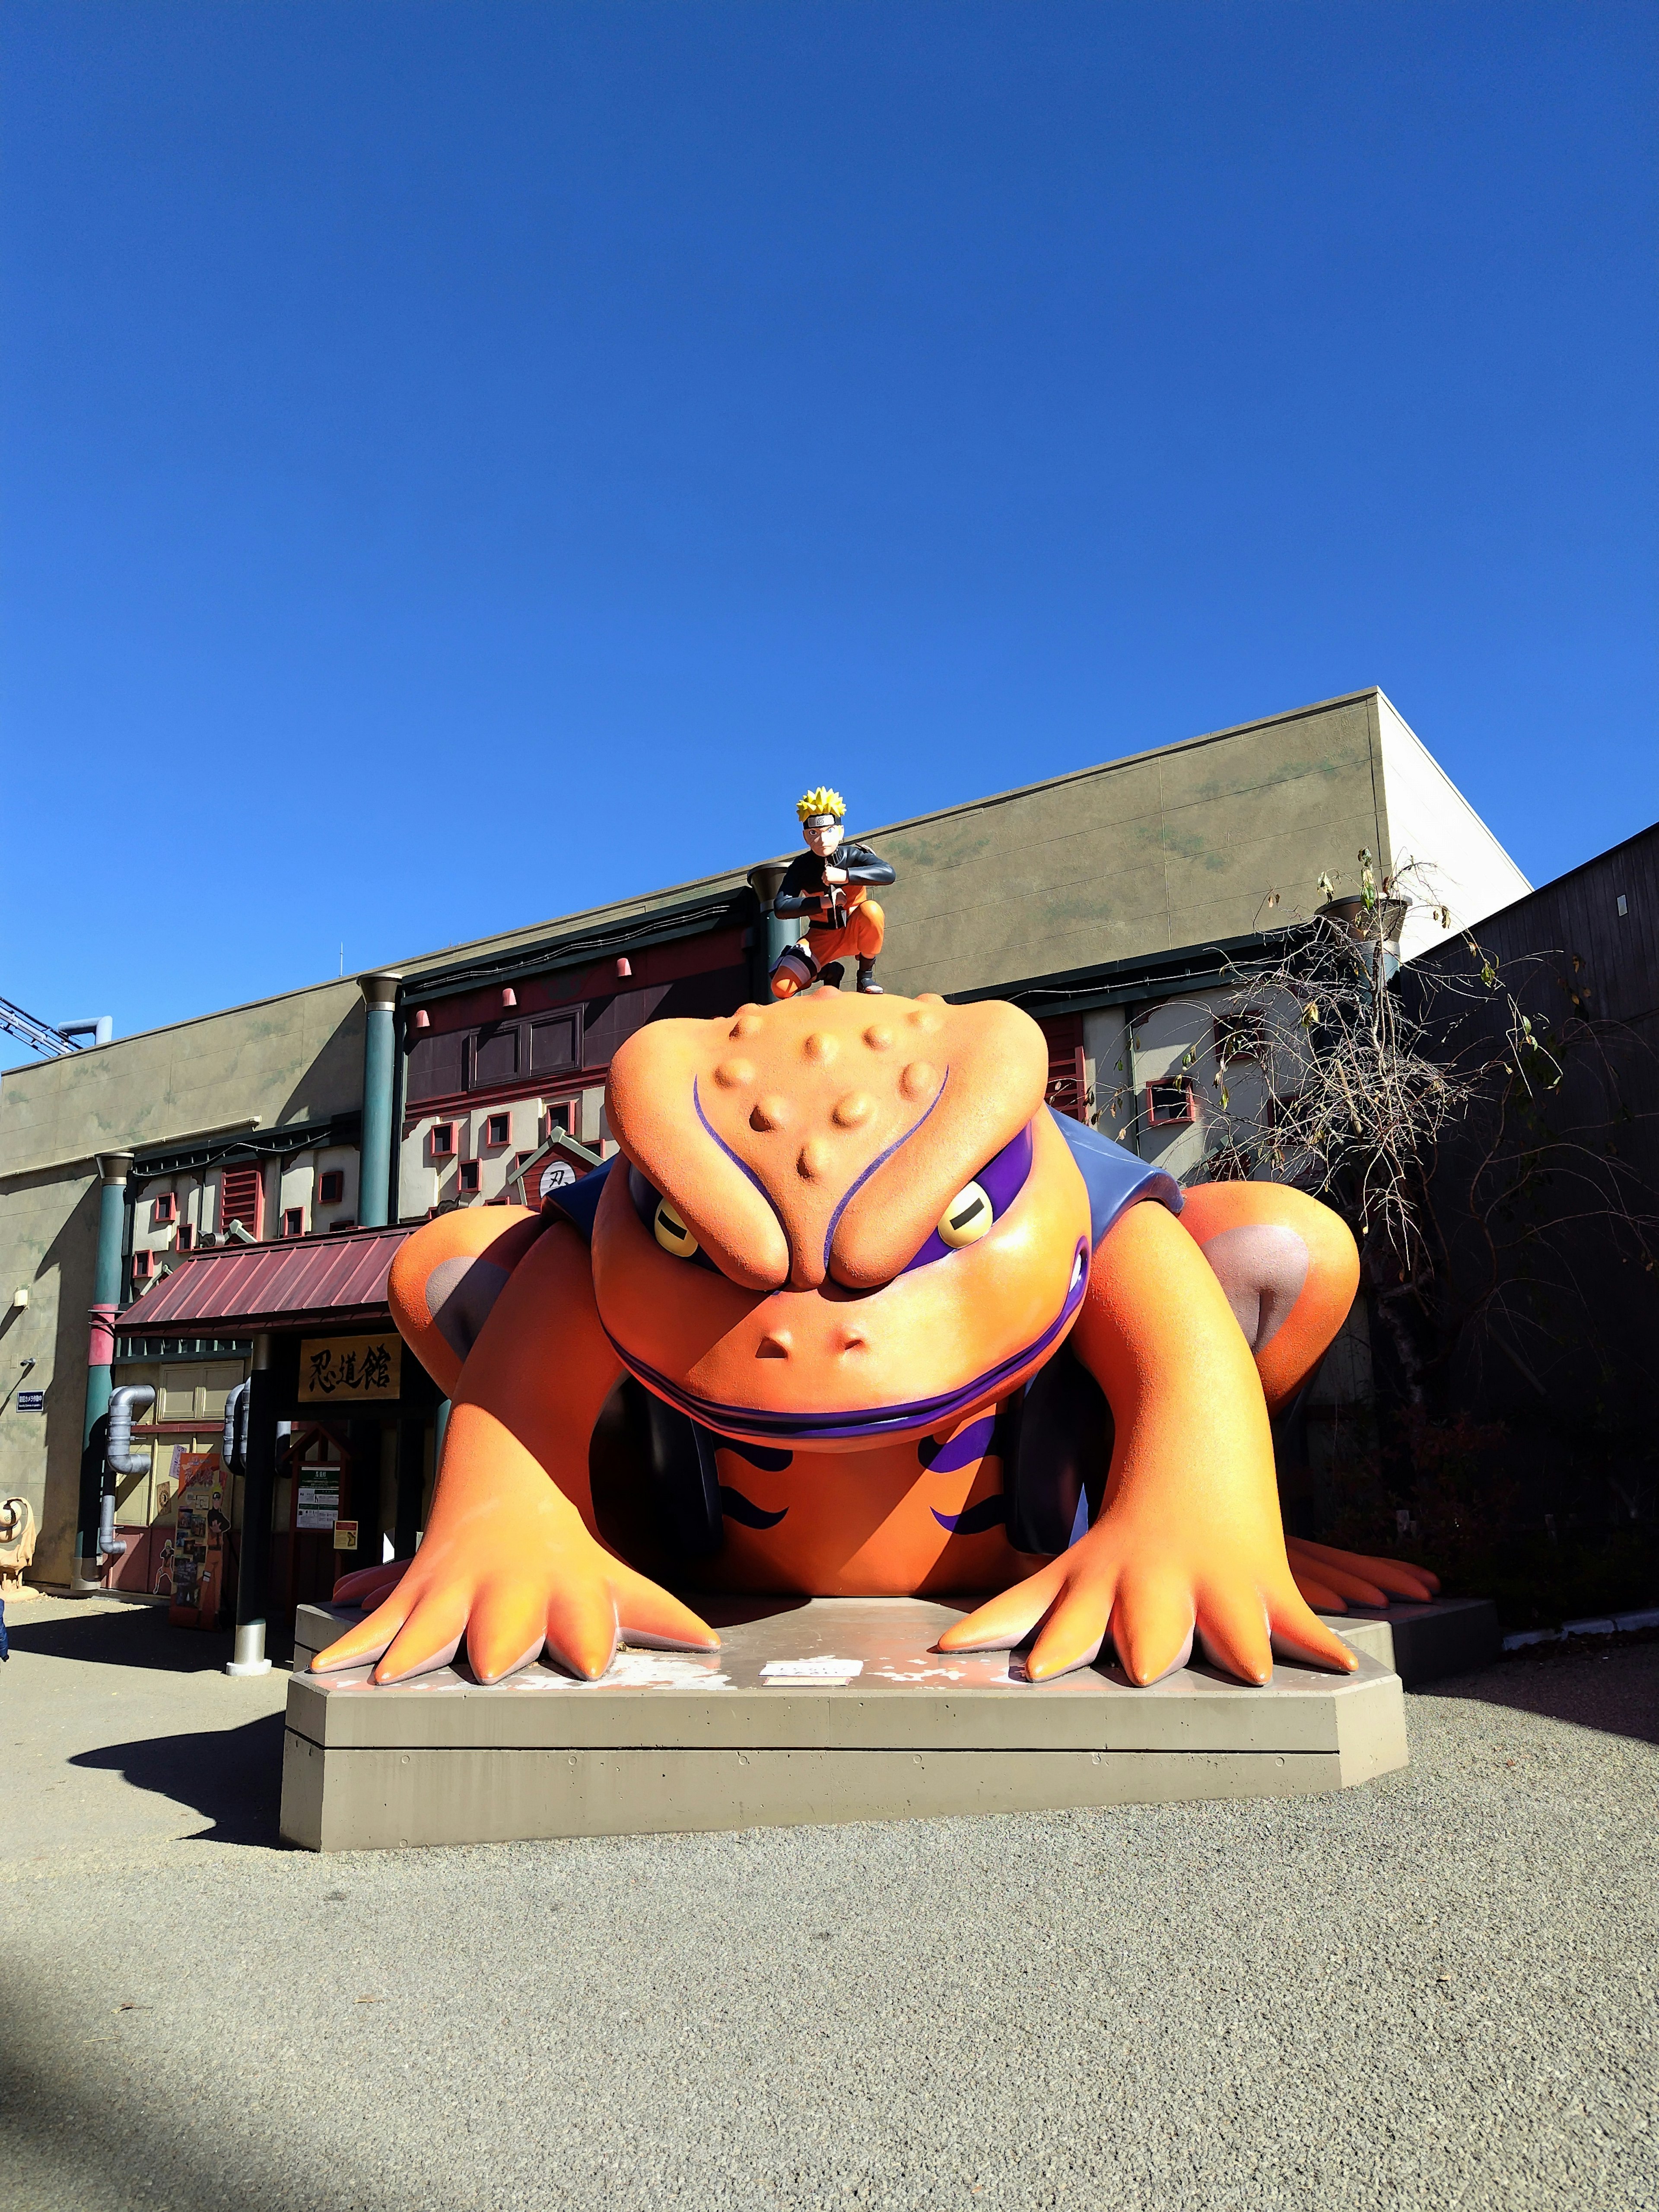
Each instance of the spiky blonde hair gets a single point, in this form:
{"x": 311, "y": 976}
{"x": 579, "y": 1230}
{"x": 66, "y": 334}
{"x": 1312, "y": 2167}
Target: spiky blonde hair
{"x": 822, "y": 800}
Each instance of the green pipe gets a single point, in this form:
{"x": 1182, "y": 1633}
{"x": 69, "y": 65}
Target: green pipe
{"x": 112, "y": 1168}
{"x": 773, "y": 935}
{"x": 380, "y": 1068}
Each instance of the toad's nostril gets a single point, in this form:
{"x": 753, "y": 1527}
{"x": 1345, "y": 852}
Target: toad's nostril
{"x": 854, "y": 1340}
{"x": 773, "y": 1346}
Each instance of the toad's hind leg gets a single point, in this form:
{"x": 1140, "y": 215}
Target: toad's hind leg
{"x": 1289, "y": 1267}
{"x": 446, "y": 1277}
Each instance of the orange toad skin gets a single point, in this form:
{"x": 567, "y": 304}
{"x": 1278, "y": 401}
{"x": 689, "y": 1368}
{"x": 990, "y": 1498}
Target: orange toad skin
{"x": 769, "y": 1257}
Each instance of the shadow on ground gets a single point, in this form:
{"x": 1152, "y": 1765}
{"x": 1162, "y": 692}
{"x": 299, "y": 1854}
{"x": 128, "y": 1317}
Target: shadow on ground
{"x": 1574, "y": 1681}
{"x": 125, "y": 1636}
{"x": 233, "y": 1776}
{"x": 80, "y": 2135}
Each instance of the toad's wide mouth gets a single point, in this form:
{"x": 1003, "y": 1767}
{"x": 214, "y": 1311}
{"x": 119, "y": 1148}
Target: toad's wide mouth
{"x": 919, "y": 1414}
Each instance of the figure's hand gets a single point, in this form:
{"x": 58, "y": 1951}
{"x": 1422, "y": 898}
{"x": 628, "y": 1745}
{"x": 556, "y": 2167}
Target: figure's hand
{"x": 510, "y": 1566}
{"x": 1151, "y": 1589}
{"x": 1333, "y": 1580}
{"x": 833, "y": 874}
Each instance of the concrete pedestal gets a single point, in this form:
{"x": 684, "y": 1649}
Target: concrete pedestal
{"x": 670, "y": 1742}
{"x": 1425, "y": 1642}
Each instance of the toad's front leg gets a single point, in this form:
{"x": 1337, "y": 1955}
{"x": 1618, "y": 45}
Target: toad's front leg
{"x": 510, "y": 1560}
{"x": 1189, "y": 1539}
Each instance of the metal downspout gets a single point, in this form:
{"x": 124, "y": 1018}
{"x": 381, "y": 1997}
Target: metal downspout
{"x": 252, "y": 1434}
{"x": 119, "y": 1458}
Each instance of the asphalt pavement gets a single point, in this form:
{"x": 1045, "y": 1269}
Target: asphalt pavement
{"x": 1438, "y": 1990}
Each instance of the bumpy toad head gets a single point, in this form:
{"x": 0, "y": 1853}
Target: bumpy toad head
{"x": 838, "y": 1224}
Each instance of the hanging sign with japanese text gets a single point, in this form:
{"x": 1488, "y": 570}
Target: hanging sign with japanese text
{"x": 333, "y": 1367}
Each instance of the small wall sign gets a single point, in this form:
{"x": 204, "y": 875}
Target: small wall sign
{"x": 333, "y": 1367}
{"x": 318, "y": 1503}
{"x": 31, "y": 1401}
{"x": 345, "y": 1535}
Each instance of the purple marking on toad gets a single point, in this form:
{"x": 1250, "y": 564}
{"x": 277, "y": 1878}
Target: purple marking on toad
{"x": 962, "y": 1450}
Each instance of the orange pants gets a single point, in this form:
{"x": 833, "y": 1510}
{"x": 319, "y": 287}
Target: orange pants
{"x": 866, "y": 926}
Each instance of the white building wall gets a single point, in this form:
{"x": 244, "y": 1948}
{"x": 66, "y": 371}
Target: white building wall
{"x": 1460, "y": 863}
{"x": 1111, "y": 1083}
{"x": 428, "y": 1178}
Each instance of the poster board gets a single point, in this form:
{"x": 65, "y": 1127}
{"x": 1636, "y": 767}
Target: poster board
{"x": 199, "y": 1567}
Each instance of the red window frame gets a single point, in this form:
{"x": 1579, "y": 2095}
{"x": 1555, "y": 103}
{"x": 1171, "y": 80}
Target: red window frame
{"x": 331, "y": 1187}
{"x": 143, "y": 1266}
{"x": 1155, "y": 1120}
{"x": 294, "y": 1221}
{"x": 164, "y": 1208}
{"x": 443, "y": 1140}
{"x": 186, "y": 1237}
{"x": 498, "y": 1128}
{"x": 470, "y": 1177}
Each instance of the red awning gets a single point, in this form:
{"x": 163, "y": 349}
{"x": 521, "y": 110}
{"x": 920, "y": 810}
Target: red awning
{"x": 271, "y": 1285}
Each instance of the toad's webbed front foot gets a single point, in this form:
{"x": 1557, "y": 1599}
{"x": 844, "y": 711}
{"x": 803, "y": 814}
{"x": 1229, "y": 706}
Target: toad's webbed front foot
{"x": 508, "y": 1565}
{"x": 509, "y": 1561}
{"x": 1189, "y": 1543}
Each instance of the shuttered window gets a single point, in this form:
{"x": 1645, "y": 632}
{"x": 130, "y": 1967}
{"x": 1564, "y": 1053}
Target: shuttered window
{"x": 1068, "y": 1080}
{"x": 242, "y": 1198}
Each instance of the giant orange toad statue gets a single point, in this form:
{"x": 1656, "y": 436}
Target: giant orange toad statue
{"x": 890, "y": 1326}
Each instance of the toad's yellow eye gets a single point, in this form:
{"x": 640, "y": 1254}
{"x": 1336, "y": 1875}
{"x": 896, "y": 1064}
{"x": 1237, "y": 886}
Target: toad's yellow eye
{"x": 671, "y": 1232}
{"x": 966, "y": 1218}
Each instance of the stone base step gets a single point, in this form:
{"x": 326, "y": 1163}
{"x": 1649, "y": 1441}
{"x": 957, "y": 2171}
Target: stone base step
{"x": 673, "y": 1742}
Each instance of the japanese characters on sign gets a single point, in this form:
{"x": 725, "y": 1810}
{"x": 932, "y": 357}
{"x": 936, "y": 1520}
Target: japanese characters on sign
{"x": 333, "y": 1367}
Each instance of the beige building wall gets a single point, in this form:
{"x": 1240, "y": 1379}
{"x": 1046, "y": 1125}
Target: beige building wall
{"x": 1178, "y": 846}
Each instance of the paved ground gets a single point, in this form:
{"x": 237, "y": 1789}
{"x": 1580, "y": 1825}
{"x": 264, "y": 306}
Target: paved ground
{"x": 1435, "y": 1991}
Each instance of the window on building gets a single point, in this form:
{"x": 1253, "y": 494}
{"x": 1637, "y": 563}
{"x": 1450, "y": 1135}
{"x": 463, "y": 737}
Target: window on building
{"x": 1168, "y": 1103}
{"x": 164, "y": 1209}
{"x": 469, "y": 1175}
{"x": 498, "y": 1129}
{"x": 443, "y": 1140}
{"x": 242, "y": 1198}
{"x": 343, "y": 1224}
{"x": 186, "y": 1237}
{"x": 331, "y": 1187}
{"x": 144, "y": 1266}
{"x": 562, "y": 1116}
{"x": 1241, "y": 1034}
{"x": 294, "y": 1221}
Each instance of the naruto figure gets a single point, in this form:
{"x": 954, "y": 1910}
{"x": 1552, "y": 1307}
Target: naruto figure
{"x": 829, "y": 883}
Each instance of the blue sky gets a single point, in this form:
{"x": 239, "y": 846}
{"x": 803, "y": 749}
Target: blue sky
{"x": 462, "y": 463}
